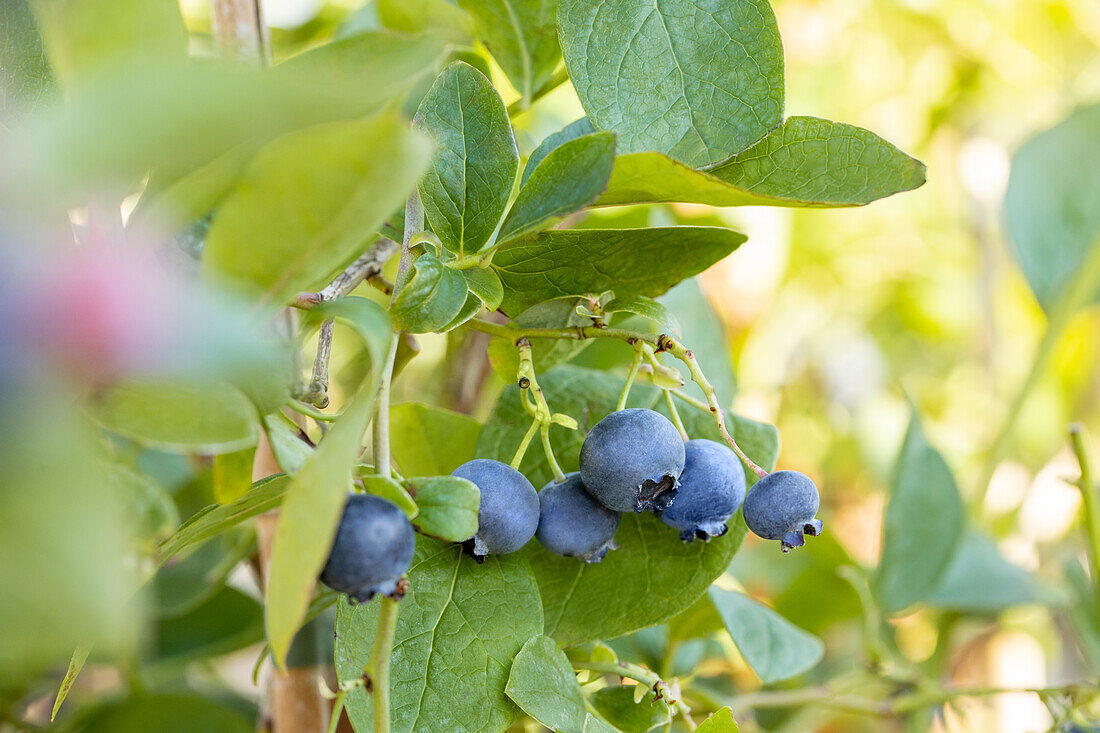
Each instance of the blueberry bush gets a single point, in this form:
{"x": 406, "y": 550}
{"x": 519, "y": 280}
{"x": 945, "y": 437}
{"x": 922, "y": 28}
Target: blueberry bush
{"x": 193, "y": 231}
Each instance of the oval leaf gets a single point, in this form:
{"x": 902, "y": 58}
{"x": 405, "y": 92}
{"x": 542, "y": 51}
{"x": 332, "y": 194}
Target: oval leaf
{"x": 432, "y": 298}
{"x": 448, "y": 507}
{"x": 542, "y": 682}
{"x": 980, "y": 580}
{"x": 616, "y": 705}
{"x": 430, "y": 441}
{"x": 521, "y": 35}
{"x": 630, "y": 64}
{"x": 471, "y": 176}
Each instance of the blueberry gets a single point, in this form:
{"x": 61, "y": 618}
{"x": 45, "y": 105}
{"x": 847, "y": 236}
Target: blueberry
{"x": 572, "y": 523}
{"x": 509, "y": 512}
{"x": 781, "y": 506}
{"x": 373, "y": 548}
{"x": 631, "y": 461}
{"x": 712, "y": 486}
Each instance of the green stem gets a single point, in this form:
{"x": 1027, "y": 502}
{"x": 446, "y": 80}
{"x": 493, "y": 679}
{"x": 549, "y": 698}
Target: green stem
{"x": 381, "y": 431}
{"x": 308, "y": 411}
{"x": 672, "y": 411}
{"x": 543, "y": 417}
{"x": 517, "y": 458}
{"x": 645, "y": 676}
{"x": 337, "y": 711}
{"x": 378, "y": 667}
{"x": 634, "y": 366}
{"x": 1090, "y": 500}
{"x": 699, "y": 404}
{"x": 1081, "y": 288}
{"x": 559, "y": 475}
{"x": 661, "y": 343}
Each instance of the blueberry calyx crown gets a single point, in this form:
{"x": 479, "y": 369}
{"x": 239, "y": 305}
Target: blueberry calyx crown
{"x": 657, "y": 495}
{"x": 704, "y": 531}
{"x": 796, "y": 537}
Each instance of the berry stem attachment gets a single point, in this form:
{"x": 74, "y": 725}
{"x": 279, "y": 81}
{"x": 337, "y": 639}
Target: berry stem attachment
{"x": 685, "y": 355}
{"x": 1090, "y": 501}
{"x": 541, "y": 411}
{"x": 517, "y": 458}
{"x": 639, "y": 350}
{"x": 672, "y": 411}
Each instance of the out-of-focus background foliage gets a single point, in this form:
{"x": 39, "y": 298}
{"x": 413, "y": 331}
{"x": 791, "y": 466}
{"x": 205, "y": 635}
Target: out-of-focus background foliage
{"x": 836, "y": 320}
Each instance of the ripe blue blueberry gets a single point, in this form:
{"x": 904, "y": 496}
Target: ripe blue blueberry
{"x": 631, "y": 461}
{"x": 712, "y": 486}
{"x": 572, "y": 523}
{"x": 509, "y": 511}
{"x": 373, "y": 548}
{"x": 782, "y": 506}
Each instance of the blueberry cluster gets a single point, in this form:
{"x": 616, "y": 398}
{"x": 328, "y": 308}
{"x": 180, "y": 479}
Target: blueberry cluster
{"x": 631, "y": 461}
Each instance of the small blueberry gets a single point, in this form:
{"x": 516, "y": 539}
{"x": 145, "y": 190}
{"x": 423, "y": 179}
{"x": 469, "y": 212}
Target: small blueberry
{"x": 572, "y": 523}
{"x": 782, "y": 506}
{"x": 712, "y": 487}
{"x": 509, "y": 511}
{"x": 373, "y": 548}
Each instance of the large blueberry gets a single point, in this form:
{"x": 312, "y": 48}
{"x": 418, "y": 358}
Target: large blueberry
{"x": 373, "y": 548}
{"x": 782, "y": 506}
{"x": 631, "y": 461}
{"x": 509, "y": 511}
{"x": 712, "y": 486}
{"x": 572, "y": 523}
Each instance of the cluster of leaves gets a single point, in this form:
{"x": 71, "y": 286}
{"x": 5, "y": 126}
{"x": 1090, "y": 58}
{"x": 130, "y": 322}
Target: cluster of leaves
{"x": 300, "y": 167}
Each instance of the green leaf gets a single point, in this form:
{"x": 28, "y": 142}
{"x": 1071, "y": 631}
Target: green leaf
{"x": 164, "y": 713}
{"x": 721, "y": 721}
{"x": 522, "y": 37}
{"x": 553, "y": 141}
{"x": 265, "y": 494}
{"x": 448, "y": 507}
{"x": 640, "y": 305}
{"x": 590, "y": 261}
{"x": 459, "y": 629}
{"x": 431, "y": 299}
{"x": 191, "y": 578}
{"x": 232, "y": 475}
{"x": 289, "y": 449}
{"x": 26, "y": 79}
{"x": 471, "y": 176}
{"x": 316, "y": 495}
{"x": 179, "y": 416}
{"x": 542, "y": 682}
{"x": 592, "y": 724}
{"x": 653, "y": 575}
{"x": 307, "y": 202}
{"x": 148, "y": 509}
{"x": 1050, "y": 206}
{"x": 430, "y": 441}
{"x": 980, "y": 580}
{"x": 698, "y": 80}
{"x": 93, "y": 37}
{"x": 389, "y": 489}
{"x": 436, "y": 17}
{"x": 570, "y": 178}
{"x": 76, "y": 663}
{"x": 486, "y": 285}
{"x": 616, "y": 705}
{"x": 228, "y": 621}
{"x": 775, "y": 648}
{"x": 922, "y": 526}
{"x": 698, "y": 621}
{"x": 807, "y": 162}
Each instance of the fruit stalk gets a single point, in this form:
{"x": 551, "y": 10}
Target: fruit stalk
{"x": 650, "y": 679}
{"x": 542, "y": 415}
{"x": 672, "y": 411}
{"x": 1090, "y": 500}
{"x": 639, "y": 347}
{"x": 378, "y": 666}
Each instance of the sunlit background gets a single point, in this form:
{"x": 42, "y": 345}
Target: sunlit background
{"x": 837, "y": 320}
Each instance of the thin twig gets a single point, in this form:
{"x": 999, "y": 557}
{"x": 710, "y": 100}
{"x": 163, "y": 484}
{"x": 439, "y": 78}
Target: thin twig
{"x": 542, "y": 415}
{"x": 630, "y": 375}
{"x": 649, "y": 678}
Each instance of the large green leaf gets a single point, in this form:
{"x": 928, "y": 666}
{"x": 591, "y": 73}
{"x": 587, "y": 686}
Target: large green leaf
{"x": 698, "y": 80}
{"x": 91, "y": 37}
{"x": 459, "y": 628}
{"x": 471, "y": 177}
{"x": 590, "y": 261}
{"x": 775, "y": 648}
{"x": 26, "y": 80}
{"x": 1050, "y": 204}
{"x": 430, "y": 441}
{"x": 448, "y": 506}
{"x": 228, "y": 621}
{"x": 165, "y": 713}
{"x": 979, "y": 579}
{"x": 653, "y": 575}
{"x": 432, "y": 298}
{"x": 181, "y": 416}
{"x": 542, "y": 682}
{"x": 522, "y": 36}
{"x": 570, "y": 177}
{"x": 316, "y": 495}
{"x": 922, "y": 526}
{"x": 807, "y": 162}
{"x": 307, "y": 202}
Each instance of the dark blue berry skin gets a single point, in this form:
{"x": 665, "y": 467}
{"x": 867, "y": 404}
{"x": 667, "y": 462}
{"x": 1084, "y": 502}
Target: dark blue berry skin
{"x": 373, "y": 548}
{"x": 631, "y": 461}
{"x": 509, "y": 511}
{"x": 712, "y": 487}
{"x": 782, "y": 506}
{"x": 572, "y": 523}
